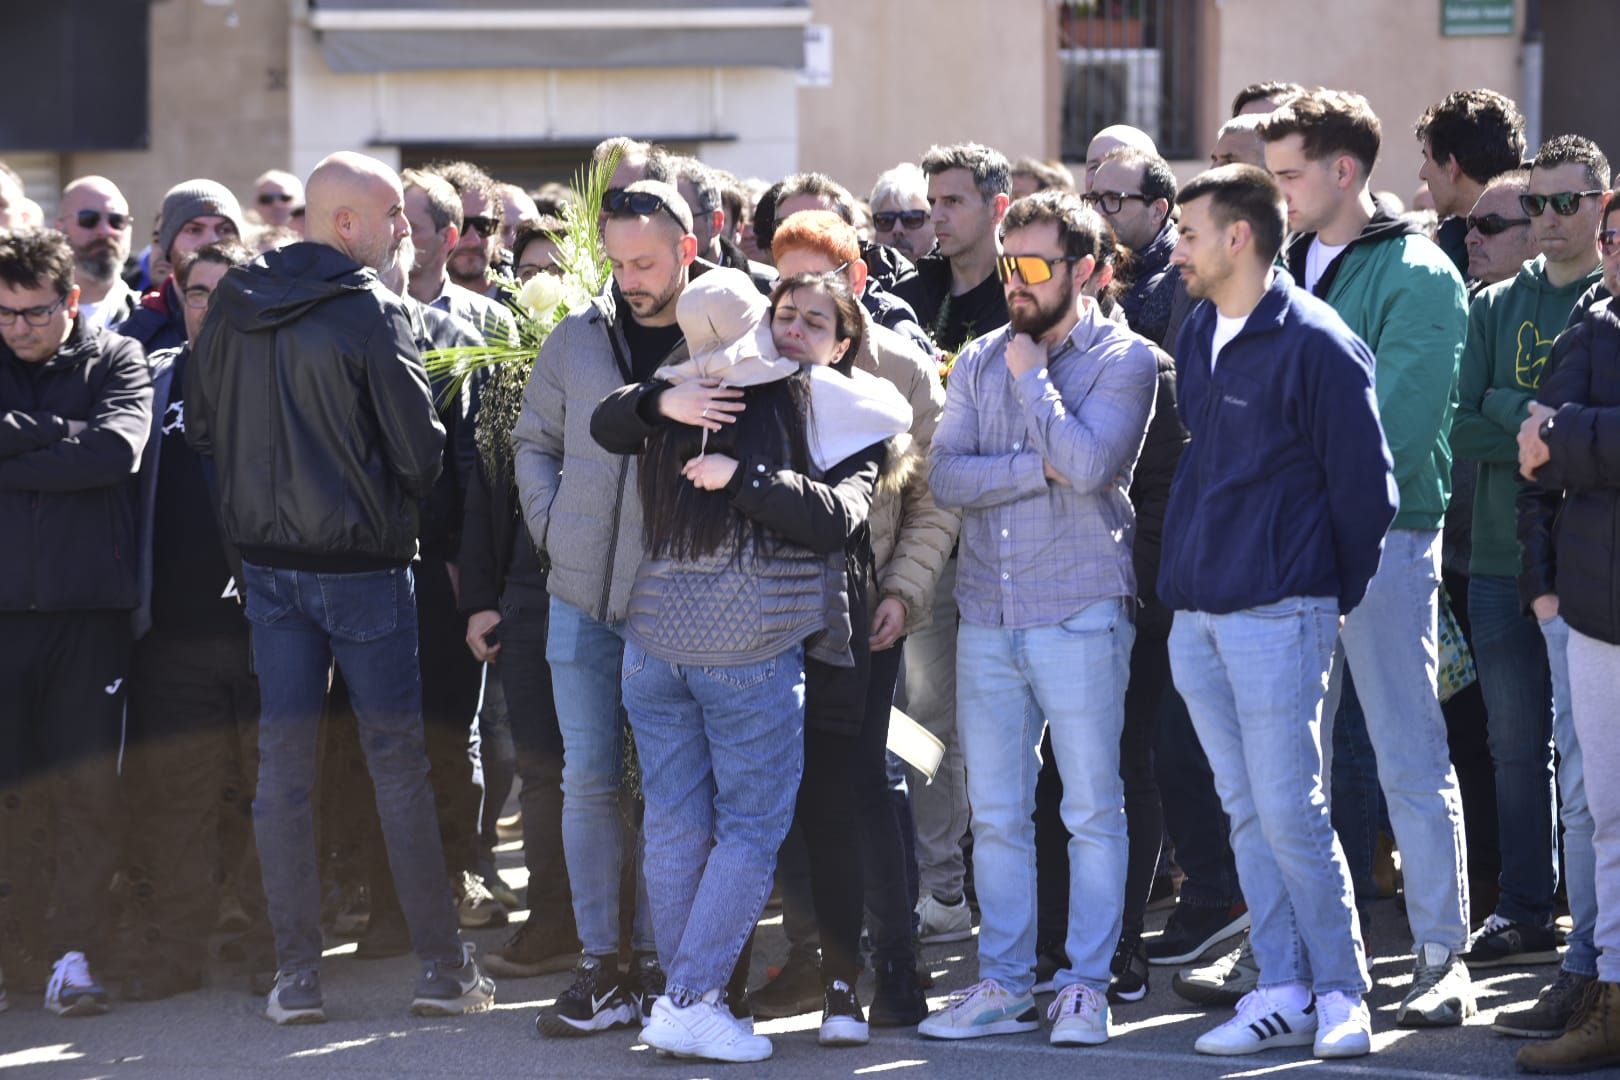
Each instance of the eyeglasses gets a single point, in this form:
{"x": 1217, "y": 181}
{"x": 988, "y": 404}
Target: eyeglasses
{"x": 89, "y": 219}
{"x": 1493, "y": 224}
{"x": 486, "y": 226}
{"x": 1031, "y": 269}
{"x": 34, "y": 316}
{"x": 196, "y": 296}
{"x": 639, "y": 203}
{"x": 1564, "y": 203}
{"x": 1609, "y": 242}
{"x": 911, "y": 219}
{"x": 269, "y": 197}
{"x": 1111, "y": 202}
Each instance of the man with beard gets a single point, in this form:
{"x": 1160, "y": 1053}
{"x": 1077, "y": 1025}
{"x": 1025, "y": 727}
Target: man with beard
{"x": 434, "y": 212}
{"x": 474, "y": 261}
{"x": 195, "y": 213}
{"x": 1274, "y": 528}
{"x": 584, "y": 516}
{"x": 306, "y": 389}
{"x": 95, "y": 218}
{"x": 1042, "y": 426}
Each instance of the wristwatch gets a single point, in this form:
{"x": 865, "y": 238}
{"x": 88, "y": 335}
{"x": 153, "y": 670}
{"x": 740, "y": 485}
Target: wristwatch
{"x": 1545, "y": 430}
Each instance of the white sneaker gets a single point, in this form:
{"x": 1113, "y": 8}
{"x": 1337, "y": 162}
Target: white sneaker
{"x": 1079, "y": 1017}
{"x": 1344, "y": 1028}
{"x": 704, "y": 1029}
{"x": 73, "y": 991}
{"x": 986, "y": 1008}
{"x": 939, "y": 922}
{"x": 1260, "y": 1024}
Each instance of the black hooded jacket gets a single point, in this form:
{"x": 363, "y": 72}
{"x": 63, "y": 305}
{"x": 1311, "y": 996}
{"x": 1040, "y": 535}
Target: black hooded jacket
{"x": 306, "y": 387}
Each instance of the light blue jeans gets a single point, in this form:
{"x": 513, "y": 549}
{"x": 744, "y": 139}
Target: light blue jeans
{"x": 1391, "y": 642}
{"x": 1253, "y": 683}
{"x": 1010, "y": 685}
{"x": 1580, "y": 860}
{"x": 722, "y": 753}
{"x": 585, "y": 658}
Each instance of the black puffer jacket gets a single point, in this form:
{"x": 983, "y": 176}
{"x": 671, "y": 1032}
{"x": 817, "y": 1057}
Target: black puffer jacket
{"x": 1569, "y": 519}
{"x": 68, "y": 542}
{"x": 306, "y": 387}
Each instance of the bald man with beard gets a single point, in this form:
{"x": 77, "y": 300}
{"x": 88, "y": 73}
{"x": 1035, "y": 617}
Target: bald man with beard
{"x": 306, "y": 389}
{"x": 94, "y": 215}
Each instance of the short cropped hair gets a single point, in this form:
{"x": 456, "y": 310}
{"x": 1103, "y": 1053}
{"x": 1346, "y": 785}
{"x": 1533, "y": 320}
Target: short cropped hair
{"x": 819, "y": 185}
{"x": 1081, "y": 230}
{"x": 1514, "y": 178}
{"x": 226, "y": 253}
{"x": 33, "y": 257}
{"x": 1330, "y": 122}
{"x": 464, "y": 176}
{"x": 1480, "y": 130}
{"x": 1243, "y": 193}
{"x": 443, "y": 204}
{"x": 1272, "y": 90}
{"x": 658, "y": 164}
{"x": 1046, "y": 174}
{"x": 991, "y": 173}
{"x": 1574, "y": 150}
{"x": 702, "y": 179}
{"x": 817, "y": 230}
{"x": 1158, "y": 181}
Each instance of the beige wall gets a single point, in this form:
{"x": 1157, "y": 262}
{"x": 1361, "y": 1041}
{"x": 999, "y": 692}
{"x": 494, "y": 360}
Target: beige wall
{"x": 218, "y": 104}
{"x": 911, "y": 73}
{"x": 1389, "y": 50}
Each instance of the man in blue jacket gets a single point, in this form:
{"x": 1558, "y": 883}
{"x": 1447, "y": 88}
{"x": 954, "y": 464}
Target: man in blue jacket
{"x": 1275, "y": 527}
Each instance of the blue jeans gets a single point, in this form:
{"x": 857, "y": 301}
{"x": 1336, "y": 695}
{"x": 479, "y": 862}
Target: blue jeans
{"x": 302, "y": 621}
{"x": 1391, "y": 642}
{"x": 586, "y": 657}
{"x": 721, "y": 751}
{"x": 1580, "y": 860}
{"x": 1511, "y": 656}
{"x": 1010, "y": 685}
{"x": 1253, "y": 682}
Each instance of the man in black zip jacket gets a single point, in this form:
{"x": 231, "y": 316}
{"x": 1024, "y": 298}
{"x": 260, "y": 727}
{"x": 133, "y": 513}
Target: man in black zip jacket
{"x": 306, "y": 388}
{"x": 75, "y": 409}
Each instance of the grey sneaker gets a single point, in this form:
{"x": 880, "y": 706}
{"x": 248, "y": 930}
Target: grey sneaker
{"x": 1552, "y": 1011}
{"x": 476, "y": 909}
{"x": 1442, "y": 994}
{"x": 296, "y": 999}
{"x": 447, "y": 991}
{"x": 1224, "y": 982}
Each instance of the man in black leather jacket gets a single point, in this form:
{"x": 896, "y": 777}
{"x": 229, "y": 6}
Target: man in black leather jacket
{"x": 308, "y": 391}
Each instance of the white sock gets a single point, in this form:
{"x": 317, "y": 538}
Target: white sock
{"x": 1294, "y": 995}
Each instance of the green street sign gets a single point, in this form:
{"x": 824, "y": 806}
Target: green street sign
{"x": 1475, "y": 18}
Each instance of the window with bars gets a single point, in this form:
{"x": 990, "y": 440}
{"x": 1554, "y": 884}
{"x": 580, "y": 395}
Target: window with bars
{"x": 1129, "y": 62}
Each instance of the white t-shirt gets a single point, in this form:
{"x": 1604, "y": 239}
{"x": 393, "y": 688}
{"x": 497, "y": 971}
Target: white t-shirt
{"x": 1318, "y": 259}
{"x": 1225, "y": 330}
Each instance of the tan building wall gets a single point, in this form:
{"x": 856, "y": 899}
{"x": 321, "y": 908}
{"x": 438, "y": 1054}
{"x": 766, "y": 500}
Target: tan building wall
{"x": 1389, "y": 50}
{"x": 911, "y": 73}
{"x": 219, "y": 104}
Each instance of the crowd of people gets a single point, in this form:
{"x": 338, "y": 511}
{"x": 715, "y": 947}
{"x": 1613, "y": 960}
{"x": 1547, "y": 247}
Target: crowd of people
{"x": 1233, "y": 538}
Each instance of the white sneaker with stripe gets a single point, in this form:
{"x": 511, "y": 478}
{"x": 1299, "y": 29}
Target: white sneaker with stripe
{"x": 1260, "y": 1024}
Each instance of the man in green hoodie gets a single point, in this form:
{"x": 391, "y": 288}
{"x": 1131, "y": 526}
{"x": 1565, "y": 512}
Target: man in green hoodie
{"x": 1522, "y": 673}
{"x": 1401, "y": 295}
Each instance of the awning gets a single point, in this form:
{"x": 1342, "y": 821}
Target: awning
{"x": 365, "y": 36}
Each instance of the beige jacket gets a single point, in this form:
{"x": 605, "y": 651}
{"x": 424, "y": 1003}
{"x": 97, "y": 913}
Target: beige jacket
{"x": 911, "y": 536}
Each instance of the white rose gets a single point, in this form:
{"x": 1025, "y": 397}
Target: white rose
{"x": 540, "y": 294}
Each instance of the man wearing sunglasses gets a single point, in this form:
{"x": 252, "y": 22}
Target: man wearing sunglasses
{"x": 1400, "y": 294}
{"x": 195, "y": 213}
{"x": 94, "y": 216}
{"x": 1467, "y": 140}
{"x": 277, "y": 194}
{"x": 900, "y": 217}
{"x": 475, "y": 260}
{"x": 1523, "y": 669}
{"x": 434, "y": 210}
{"x": 1499, "y": 237}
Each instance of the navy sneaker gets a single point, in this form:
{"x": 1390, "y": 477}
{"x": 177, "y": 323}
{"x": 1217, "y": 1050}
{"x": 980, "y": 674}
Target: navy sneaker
{"x": 296, "y": 999}
{"x": 453, "y": 991}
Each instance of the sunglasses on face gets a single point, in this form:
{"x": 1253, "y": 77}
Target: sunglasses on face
{"x": 1609, "y": 241}
{"x": 1494, "y": 224}
{"x": 1111, "y": 202}
{"x": 640, "y": 203}
{"x": 34, "y": 316}
{"x": 485, "y": 226}
{"x": 89, "y": 219}
{"x": 1564, "y": 203}
{"x": 274, "y": 197}
{"x": 1030, "y": 269}
{"x": 911, "y": 219}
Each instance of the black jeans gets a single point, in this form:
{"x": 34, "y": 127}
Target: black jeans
{"x": 1476, "y": 771}
{"x": 63, "y": 683}
{"x": 194, "y": 707}
{"x": 451, "y": 679}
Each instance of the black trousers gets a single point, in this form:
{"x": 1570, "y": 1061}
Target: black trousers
{"x": 63, "y": 684}
{"x": 1471, "y": 755}
{"x": 194, "y": 712}
{"x": 451, "y": 680}
{"x": 1144, "y": 815}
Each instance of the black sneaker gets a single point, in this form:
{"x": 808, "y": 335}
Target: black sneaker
{"x": 1130, "y": 968}
{"x": 795, "y": 990}
{"x": 647, "y": 984}
{"x": 597, "y": 1001}
{"x": 842, "y": 1023}
{"x": 898, "y": 1000}
{"x": 539, "y": 947}
{"x": 1049, "y": 960}
{"x": 1551, "y": 1013}
{"x": 1192, "y": 931}
{"x": 1500, "y": 943}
